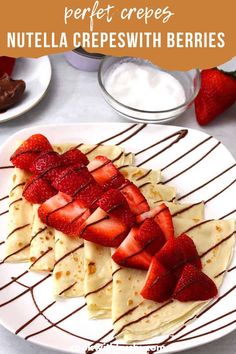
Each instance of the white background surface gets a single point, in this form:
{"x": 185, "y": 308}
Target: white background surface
{"x": 75, "y": 96}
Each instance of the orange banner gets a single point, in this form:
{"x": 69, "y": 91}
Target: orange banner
{"x": 173, "y": 34}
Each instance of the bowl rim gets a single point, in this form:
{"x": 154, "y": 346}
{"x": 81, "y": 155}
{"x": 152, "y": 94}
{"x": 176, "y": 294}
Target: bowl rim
{"x": 186, "y": 103}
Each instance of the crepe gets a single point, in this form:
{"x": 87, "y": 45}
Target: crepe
{"x": 19, "y": 220}
{"x": 191, "y": 211}
{"x": 68, "y": 273}
{"x": 98, "y": 280}
{"x": 140, "y": 175}
{"x": 42, "y": 245}
{"x": 112, "y": 152}
{"x": 99, "y": 301}
{"x": 159, "y": 319}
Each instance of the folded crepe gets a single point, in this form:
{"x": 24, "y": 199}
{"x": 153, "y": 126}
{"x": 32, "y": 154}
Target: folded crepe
{"x": 135, "y": 318}
{"x": 42, "y": 256}
{"x": 71, "y": 274}
{"x": 68, "y": 272}
{"x": 20, "y": 219}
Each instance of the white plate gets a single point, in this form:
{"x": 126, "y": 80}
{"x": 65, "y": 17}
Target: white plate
{"x": 65, "y": 324}
{"x": 37, "y": 75}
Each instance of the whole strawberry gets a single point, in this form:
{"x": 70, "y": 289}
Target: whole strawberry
{"x": 217, "y": 93}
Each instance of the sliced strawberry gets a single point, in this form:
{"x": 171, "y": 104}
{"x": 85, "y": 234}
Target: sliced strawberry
{"x": 38, "y": 190}
{"x": 134, "y": 197}
{"x": 72, "y": 179}
{"x": 177, "y": 252}
{"x": 114, "y": 203}
{"x": 45, "y": 162}
{"x": 194, "y": 285}
{"x": 64, "y": 214}
{"x": 56, "y": 202}
{"x": 90, "y": 194}
{"x": 25, "y": 155}
{"x": 160, "y": 283}
{"x": 131, "y": 253}
{"x": 162, "y": 216}
{"x": 105, "y": 173}
{"x": 103, "y": 229}
{"x": 74, "y": 156}
{"x": 150, "y": 236}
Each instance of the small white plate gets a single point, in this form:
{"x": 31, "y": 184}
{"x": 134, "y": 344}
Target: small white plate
{"x": 197, "y": 165}
{"x": 37, "y": 75}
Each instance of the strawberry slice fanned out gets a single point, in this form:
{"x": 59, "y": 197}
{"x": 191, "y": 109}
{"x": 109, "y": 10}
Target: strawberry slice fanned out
{"x": 161, "y": 214}
{"x": 194, "y": 285}
{"x": 114, "y": 204}
{"x": 74, "y": 157}
{"x": 150, "y": 236}
{"x": 136, "y": 200}
{"x": 37, "y": 190}
{"x": 105, "y": 173}
{"x": 78, "y": 183}
{"x": 45, "y": 162}
{"x": 177, "y": 252}
{"x": 64, "y": 214}
{"x": 27, "y": 152}
{"x": 72, "y": 179}
{"x": 159, "y": 284}
{"x": 103, "y": 229}
{"x": 131, "y": 253}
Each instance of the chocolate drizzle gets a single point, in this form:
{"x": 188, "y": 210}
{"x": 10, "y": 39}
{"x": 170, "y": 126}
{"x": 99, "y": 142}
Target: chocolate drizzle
{"x": 225, "y": 271}
{"x": 132, "y": 135}
{"x": 68, "y": 288}
{"x": 186, "y": 153}
{"x": 3, "y": 198}
{"x": 25, "y": 291}
{"x": 185, "y": 209}
{"x": 180, "y": 135}
{"x": 228, "y": 214}
{"x": 15, "y": 201}
{"x": 41, "y": 256}
{"x": 206, "y": 183}
{"x": 99, "y": 289}
{"x": 194, "y": 164}
{"x": 6, "y": 167}
{"x": 38, "y": 233}
{"x": 14, "y": 280}
{"x": 56, "y": 323}
{"x": 221, "y": 191}
{"x": 4, "y": 212}
{"x": 142, "y": 318}
{"x": 144, "y": 185}
{"x": 17, "y": 229}
{"x": 16, "y": 252}
{"x": 118, "y": 134}
{"x": 17, "y": 185}
{"x": 68, "y": 254}
{"x": 143, "y": 176}
{"x": 34, "y": 318}
{"x": 217, "y": 244}
{"x": 126, "y": 313}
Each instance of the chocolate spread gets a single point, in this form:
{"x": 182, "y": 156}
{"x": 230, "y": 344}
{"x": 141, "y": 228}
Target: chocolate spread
{"x": 11, "y": 91}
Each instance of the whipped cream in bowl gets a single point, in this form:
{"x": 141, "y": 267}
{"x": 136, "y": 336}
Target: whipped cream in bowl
{"x": 143, "y": 92}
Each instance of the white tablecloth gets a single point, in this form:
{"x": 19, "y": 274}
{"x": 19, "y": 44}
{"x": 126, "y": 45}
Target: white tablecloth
{"x": 73, "y": 97}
